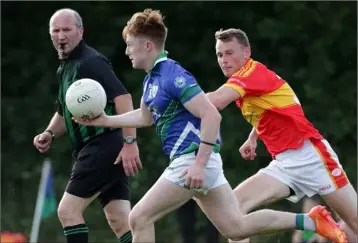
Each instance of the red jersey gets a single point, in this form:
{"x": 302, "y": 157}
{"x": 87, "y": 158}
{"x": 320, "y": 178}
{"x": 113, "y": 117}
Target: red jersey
{"x": 271, "y": 106}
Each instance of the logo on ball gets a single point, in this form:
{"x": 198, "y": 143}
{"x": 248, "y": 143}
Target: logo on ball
{"x": 83, "y": 98}
{"x": 86, "y": 98}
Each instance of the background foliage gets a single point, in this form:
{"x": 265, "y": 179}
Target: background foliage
{"x": 312, "y": 45}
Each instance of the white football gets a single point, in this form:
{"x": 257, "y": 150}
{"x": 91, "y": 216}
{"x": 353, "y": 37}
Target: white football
{"x": 86, "y": 98}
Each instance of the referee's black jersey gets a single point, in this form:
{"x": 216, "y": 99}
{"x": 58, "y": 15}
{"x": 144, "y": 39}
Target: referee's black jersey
{"x": 86, "y": 62}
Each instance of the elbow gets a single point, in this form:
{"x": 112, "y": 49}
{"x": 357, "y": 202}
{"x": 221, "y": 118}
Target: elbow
{"x": 215, "y": 117}
{"x": 211, "y": 118}
{"x": 147, "y": 121}
{"x": 215, "y": 101}
{"x": 217, "y": 105}
{"x": 218, "y": 117}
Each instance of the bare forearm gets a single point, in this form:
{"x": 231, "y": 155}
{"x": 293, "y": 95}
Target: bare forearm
{"x": 124, "y": 106}
{"x": 132, "y": 119}
{"x": 210, "y": 126}
{"x": 214, "y": 101}
{"x": 223, "y": 96}
{"x": 253, "y": 134}
{"x": 57, "y": 125}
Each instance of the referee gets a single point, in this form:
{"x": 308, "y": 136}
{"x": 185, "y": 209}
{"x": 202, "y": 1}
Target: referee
{"x": 97, "y": 151}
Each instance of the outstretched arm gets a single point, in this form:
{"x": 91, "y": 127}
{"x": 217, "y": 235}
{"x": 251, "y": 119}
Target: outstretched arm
{"x": 137, "y": 118}
{"x": 223, "y": 97}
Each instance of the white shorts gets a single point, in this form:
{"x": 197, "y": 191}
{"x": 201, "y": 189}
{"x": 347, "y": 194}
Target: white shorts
{"x": 214, "y": 173}
{"x": 312, "y": 169}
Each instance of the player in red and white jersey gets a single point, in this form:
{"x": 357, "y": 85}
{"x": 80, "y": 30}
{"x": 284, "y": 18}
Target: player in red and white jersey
{"x": 303, "y": 161}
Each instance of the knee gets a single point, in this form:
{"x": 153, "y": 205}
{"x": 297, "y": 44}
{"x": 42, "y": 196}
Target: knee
{"x": 137, "y": 220}
{"x": 62, "y": 213}
{"x": 118, "y": 221}
{"x": 66, "y": 214}
{"x": 236, "y": 230}
{"x": 246, "y": 201}
{"x": 245, "y": 204}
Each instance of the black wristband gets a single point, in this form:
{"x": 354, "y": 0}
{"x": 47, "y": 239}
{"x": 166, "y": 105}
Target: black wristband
{"x": 52, "y": 134}
{"x": 207, "y": 143}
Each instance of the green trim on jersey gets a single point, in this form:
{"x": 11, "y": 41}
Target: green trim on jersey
{"x": 69, "y": 74}
{"x": 161, "y": 57}
{"x": 164, "y": 121}
{"x": 169, "y": 114}
{"x": 189, "y": 91}
{"x": 79, "y": 134}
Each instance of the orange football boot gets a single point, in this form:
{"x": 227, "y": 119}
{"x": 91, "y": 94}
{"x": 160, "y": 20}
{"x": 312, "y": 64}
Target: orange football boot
{"x": 326, "y": 226}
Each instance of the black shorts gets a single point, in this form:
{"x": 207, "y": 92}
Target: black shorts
{"x": 94, "y": 170}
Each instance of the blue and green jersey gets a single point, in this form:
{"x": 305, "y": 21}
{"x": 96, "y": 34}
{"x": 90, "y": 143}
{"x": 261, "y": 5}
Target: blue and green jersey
{"x": 166, "y": 88}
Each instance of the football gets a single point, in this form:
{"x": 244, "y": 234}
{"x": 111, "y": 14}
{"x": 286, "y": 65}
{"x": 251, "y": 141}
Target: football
{"x": 86, "y": 99}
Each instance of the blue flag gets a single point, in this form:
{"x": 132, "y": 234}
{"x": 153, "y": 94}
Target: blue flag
{"x": 50, "y": 205}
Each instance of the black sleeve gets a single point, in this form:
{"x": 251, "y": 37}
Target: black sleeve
{"x": 100, "y": 69}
